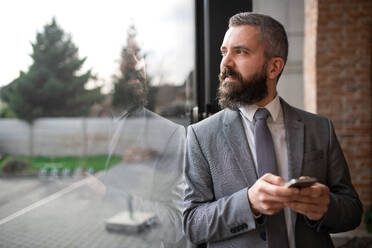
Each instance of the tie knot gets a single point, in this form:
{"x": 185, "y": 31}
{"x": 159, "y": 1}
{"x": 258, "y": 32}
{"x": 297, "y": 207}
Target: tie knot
{"x": 261, "y": 114}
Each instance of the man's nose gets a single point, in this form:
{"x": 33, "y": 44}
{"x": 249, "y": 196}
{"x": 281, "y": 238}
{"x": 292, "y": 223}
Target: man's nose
{"x": 227, "y": 60}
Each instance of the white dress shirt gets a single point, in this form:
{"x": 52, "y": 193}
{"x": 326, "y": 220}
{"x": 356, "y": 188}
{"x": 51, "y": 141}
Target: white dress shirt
{"x": 275, "y": 122}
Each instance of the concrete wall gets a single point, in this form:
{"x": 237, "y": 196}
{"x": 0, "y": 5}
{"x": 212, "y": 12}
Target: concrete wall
{"x": 55, "y": 136}
{"x": 82, "y": 136}
{"x": 14, "y": 136}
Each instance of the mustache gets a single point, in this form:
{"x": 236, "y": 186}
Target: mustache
{"x": 229, "y": 72}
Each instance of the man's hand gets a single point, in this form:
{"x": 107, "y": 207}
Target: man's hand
{"x": 312, "y": 201}
{"x": 268, "y": 195}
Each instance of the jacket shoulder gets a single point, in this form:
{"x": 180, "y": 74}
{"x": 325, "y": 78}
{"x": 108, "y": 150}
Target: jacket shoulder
{"x": 160, "y": 120}
{"x": 210, "y": 124}
{"x": 310, "y": 116}
{"x": 307, "y": 117}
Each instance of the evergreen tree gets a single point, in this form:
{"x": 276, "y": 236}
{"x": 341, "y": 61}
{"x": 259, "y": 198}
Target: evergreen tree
{"x": 52, "y": 86}
{"x": 131, "y": 87}
{"x": 5, "y": 111}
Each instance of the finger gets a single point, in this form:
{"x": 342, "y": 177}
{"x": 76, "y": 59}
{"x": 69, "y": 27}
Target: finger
{"x": 271, "y": 208}
{"x": 312, "y": 215}
{"x": 303, "y": 177}
{"x": 322, "y": 200}
{"x": 305, "y": 199}
{"x": 307, "y": 208}
{"x": 316, "y": 190}
{"x": 269, "y": 198}
{"x": 273, "y": 179}
{"x": 261, "y": 202}
{"x": 278, "y": 191}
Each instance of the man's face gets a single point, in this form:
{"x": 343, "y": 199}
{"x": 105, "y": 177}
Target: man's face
{"x": 243, "y": 67}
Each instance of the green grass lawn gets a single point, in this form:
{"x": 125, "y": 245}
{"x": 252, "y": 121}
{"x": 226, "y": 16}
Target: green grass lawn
{"x": 96, "y": 163}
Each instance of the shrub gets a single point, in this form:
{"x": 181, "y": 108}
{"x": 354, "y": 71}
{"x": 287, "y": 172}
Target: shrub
{"x": 13, "y": 166}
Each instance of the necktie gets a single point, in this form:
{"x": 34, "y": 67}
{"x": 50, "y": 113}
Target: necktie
{"x": 276, "y": 230}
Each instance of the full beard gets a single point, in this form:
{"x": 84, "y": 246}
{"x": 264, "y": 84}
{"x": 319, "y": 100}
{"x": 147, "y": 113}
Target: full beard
{"x": 242, "y": 91}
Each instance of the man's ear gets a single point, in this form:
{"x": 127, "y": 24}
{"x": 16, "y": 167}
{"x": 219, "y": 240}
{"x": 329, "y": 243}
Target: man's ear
{"x": 274, "y": 67}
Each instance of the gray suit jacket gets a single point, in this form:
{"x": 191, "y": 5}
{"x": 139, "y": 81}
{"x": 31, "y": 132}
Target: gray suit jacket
{"x": 152, "y": 180}
{"x": 219, "y": 170}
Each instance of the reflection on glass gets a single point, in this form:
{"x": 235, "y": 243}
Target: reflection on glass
{"x": 143, "y": 193}
{"x": 108, "y": 176}
{"x": 145, "y": 189}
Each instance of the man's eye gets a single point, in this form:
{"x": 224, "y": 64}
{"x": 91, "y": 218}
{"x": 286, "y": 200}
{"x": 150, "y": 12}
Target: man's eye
{"x": 240, "y": 51}
{"x": 223, "y": 53}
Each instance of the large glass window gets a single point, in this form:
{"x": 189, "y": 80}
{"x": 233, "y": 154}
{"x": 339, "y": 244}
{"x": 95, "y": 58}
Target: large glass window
{"x": 94, "y": 100}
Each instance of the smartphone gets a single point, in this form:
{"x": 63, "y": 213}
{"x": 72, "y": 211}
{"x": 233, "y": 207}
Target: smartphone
{"x": 300, "y": 182}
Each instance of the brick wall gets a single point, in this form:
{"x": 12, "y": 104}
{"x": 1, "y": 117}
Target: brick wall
{"x": 338, "y": 78}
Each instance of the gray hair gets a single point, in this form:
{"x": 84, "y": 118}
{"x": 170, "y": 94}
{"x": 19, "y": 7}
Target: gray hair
{"x": 272, "y": 33}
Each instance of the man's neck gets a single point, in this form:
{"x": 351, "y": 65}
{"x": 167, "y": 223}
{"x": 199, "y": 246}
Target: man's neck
{"x": 267, "y": 99}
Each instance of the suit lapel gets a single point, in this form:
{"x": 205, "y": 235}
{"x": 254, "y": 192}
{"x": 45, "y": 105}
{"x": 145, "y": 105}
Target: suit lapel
{"x": 294, "y": 129}
{"x": 238, "y": 145}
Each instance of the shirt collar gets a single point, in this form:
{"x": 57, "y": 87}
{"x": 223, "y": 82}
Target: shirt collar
{"x": 273, "y": 107}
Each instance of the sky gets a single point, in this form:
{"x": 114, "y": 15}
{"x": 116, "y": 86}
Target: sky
{"x": 98, "y": 28}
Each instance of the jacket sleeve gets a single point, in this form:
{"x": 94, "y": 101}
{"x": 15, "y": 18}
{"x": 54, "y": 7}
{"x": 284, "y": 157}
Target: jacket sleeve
{"x": 345, "y": 209}
{"x": 205, "y": 218}
{"x": 167, "y": 189}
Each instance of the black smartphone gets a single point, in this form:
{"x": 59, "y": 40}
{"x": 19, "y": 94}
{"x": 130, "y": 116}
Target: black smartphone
{"x": 300, "y": 182}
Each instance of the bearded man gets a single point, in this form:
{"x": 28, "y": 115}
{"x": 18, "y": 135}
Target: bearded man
{"x": 239, "y": 160}
{"x": 146, "y": 186}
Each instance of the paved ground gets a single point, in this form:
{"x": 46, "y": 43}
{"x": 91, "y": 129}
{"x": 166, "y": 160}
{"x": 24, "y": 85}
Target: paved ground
{"x": 71, "y": 213}
{"x": 63, "y": 213}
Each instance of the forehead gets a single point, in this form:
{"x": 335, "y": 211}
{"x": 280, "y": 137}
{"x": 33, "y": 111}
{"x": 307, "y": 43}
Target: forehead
{"x": 242, "y": 35}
